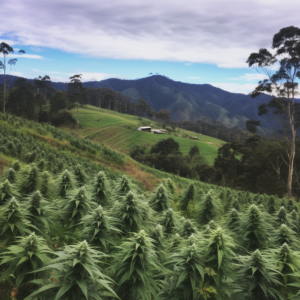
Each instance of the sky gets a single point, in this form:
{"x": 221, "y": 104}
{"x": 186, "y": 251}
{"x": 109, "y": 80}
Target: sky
{"x": 193, "y": 41}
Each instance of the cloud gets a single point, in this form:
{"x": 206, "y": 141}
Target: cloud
{"x": 220, "y": 32}
{"x": 245, "y": 88}
{"x": 250, "y": 77}
{"x": 31, "y": 56}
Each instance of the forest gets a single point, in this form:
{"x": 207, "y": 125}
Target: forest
{"x": 72, "y": 229}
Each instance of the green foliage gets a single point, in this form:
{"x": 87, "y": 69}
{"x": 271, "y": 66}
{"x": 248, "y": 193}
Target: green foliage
{"x": 13, "y": 220}
{"x": 29, "y": 182}
{"x": 80, "y": 175}
{"x": 208, "y": 208}
{"x": 76, "y": 275}
{"x": 136, "y": 254}
{"x": 186, "y": 273}
{"x": 29, "y": 254}
{"x": 133, "y": 212}
{"x": 7, "y": 191}
{"x": 186, "y": 197}
{"x": 65, "y": 182}
{"x": 76, "y": 206}
{"x": 100, "y": 189}
{"x": 255, "y": 229}
{"x": 160, "y": 200}
{"x": 100, "y": 228}
{"x": 259, "y": 277}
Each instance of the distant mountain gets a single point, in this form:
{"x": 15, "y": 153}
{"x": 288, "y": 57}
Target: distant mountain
{"x": 189, "y": 101}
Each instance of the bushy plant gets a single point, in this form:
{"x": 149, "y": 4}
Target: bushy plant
{"x": 100, "y": 228}
{"x": 168, "y": 219}
{"x": 65, "y": 182}
{"x": 208, "y": 209}
{"x": 281, "y": 217}
{"x": 186, "y": 227}
{"x": 75, "y": 274}
{"x": 259, "y": 277}
{"x": 7, "y": 191}
{"x": 135, "y": 255}
{"x": 186, "y": 272}
{"x": 100, "y": 189}
{"x": 186, "y": 197}
{"x": 219, "y": 259}
{"x": 29, "y": 182}
{"x": 160, "y": 200}
{"x": 80, "y": 175}
{"x": 132, "y": 212}
{"x": 20, "y": 260}
{"x": 76, "y": 205}
{"x": 13, "y": 220}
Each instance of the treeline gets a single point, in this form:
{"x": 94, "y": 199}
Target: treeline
{"x": 72, "y": 229}
{"x": 166, "y": 156}
{"x": 41, "y": 103}
{"x": 213, "y": 128}
{"x": 257, "y": 165}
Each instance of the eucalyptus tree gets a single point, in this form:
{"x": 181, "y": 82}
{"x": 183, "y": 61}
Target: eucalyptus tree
{"x": 283, "y": 87}
{"x": 76, "y": 92}
{"x": 5, "y": 50}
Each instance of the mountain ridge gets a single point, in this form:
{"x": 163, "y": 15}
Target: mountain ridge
{"x": 196, "y": 100}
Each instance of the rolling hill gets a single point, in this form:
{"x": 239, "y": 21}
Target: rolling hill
{"x": 119, "y": 132}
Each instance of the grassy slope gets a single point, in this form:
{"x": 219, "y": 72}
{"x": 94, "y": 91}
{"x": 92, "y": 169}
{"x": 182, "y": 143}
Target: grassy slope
{"x": 119, "y": 132}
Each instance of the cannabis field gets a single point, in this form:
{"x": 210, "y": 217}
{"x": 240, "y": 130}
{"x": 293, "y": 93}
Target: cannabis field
{"x": 71, "y": 228}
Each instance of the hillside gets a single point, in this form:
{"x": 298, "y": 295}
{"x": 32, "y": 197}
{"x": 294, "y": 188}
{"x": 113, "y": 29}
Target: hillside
{"x": 198, "y": 100}
{"x": 75, "y": 225}
{"x": 119, "y": 132}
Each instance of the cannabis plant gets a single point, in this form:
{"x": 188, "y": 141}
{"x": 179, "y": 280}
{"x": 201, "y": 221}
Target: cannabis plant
{"x": 65, "y": 182}
{"x": 76, "y": 205}
{"x": 286, "y": 235}
{"x": 208, "y": 209}
{"x": 7, "y": 191}
{"x": 258, "y": 277}
{"x": 28, "y": 181}
{"x": 100, "y": 228}
{"x": 186, "y": 227}
{"x": 20, "y": 260}
{"x": 136, "y": 266}
{"x": 80, "y": 175}
{"x": 219, "y": 259}
{"x": 254, "y": 228}
{"x": 100, "y": 189}
{"x": 11, "y": 175}
{"x": 186, "y": 268}
{"x": 39, "y": 210}
{"x": 13, "y": 220}
{"x": 186, "y": 197}
{"x": 160, "y": 200}
{"x": 133, "y": 213}
{"x": 168, "y": 219}
{"x": 281, "y": 217}
{"x": 75, "y": 274}
{"x": 46, "y": 184}
{"x": 233, "y": 220}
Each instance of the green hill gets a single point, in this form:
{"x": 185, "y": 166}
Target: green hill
{"x": 119, "y": 132}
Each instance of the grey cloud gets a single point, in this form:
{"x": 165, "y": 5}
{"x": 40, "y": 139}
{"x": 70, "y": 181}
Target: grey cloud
{"x": 163, "y": 30}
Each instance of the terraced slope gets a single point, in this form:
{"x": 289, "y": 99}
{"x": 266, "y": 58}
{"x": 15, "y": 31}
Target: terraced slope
{"x": 119, "y": 132}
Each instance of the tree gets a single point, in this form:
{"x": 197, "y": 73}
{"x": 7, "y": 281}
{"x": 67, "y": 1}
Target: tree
{"x": 76, "y": 92}
{"x": 282, "y": 85}
{"x": 58, "y": 102}
{"x": 5, "y": 49}
{"x": 251, "y": 125}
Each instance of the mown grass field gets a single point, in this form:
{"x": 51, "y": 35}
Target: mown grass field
{"x": 119, "y": 132}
